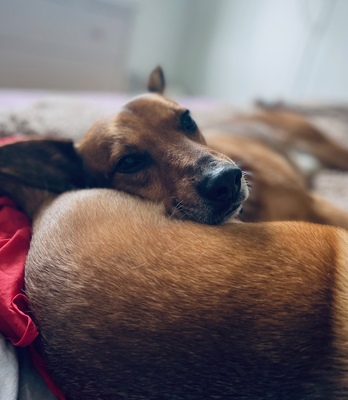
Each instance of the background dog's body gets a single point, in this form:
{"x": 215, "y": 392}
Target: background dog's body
{"x": 279, "y": 189}
{"x": 282, "y": 152}
{"x": 131, "y": 304}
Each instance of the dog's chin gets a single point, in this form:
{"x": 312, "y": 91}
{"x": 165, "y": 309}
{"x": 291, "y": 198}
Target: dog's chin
{"x": 222, "y": 217}
{"x": 206, "y": 214}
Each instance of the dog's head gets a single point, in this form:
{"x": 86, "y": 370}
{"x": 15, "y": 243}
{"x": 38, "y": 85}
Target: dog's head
{"x": 153, "y": 149}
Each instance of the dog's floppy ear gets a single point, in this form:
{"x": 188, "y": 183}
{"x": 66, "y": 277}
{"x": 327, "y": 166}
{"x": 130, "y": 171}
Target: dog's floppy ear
{"x": 156, "y": 82}
{"x": 32, "y": 170}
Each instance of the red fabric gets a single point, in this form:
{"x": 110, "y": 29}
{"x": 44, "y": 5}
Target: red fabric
{"x": 15, "y": 323}
{"x": 15, "y": 230}
{"x": 12, "y": 139}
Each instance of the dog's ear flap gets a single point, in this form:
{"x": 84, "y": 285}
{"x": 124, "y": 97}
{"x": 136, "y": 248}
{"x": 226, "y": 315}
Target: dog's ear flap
{"x": 156, "y": 82}
{"x": 35, "y": 168}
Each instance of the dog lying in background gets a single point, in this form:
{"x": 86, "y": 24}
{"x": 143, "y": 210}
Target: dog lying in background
{"x": 282, "y": 151}
{"x": 133, "y": 305}
{"x": 294, "y": 135}
{"x": 153, "y": 149}
{"x": 279, "y": 189}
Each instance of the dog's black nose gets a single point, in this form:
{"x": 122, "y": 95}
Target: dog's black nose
{"x": 220, "y": 184}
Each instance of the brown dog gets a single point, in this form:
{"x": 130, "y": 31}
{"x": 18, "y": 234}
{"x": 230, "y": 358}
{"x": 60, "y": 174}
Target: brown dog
{"x": 133, "y": 305}
{"x": 152, "y": 149}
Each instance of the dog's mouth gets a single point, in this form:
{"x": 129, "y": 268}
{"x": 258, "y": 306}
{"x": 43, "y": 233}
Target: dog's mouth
{"x": 206, "y": 213}
{"x": 235, "y": 210}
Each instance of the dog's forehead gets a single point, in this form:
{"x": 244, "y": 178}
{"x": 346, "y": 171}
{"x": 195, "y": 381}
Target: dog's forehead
{"x": 150, "y": 104}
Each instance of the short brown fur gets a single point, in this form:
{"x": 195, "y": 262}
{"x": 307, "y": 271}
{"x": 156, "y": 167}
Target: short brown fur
{"x": 152, "y": 308}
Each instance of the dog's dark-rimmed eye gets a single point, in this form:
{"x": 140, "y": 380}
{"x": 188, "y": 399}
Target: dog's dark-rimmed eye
{"x": 187, "y": 123}
{"x": 132, "y": 163}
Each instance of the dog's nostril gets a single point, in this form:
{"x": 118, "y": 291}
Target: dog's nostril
{"x": 221, "y": 185}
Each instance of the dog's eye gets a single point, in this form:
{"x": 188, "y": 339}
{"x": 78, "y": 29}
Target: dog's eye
{"x": 132, "y": 163}
{"x": 187, "y": 123}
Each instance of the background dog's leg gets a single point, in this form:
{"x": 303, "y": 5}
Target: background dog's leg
{"x": 298, "y": 133}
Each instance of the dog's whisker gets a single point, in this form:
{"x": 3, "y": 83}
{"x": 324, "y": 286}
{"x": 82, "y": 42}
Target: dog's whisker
{"x": 178, "y": 207}
{"x": 247, "y": 173}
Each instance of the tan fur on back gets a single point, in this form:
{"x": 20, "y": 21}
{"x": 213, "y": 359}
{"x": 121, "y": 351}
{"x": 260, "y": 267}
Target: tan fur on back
{"x": 340, "y": 316}
{"x": 131, "y": 304}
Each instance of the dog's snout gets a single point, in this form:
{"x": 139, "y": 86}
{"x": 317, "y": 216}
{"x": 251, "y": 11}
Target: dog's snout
{"x": 221, "y": 184}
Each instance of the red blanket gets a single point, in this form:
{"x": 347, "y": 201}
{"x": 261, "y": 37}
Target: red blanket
{"x": 15, "y": 323}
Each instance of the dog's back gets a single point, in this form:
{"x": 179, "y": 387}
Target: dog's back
{"x": 133, "y": 305}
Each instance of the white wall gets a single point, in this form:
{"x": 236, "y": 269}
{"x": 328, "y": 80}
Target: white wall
{"x": 156, "y": 38}
{"x": 294, "y": 49}
{"x": 66, "y": 45}
{"x": 240, "y": 50}
{"x": 231, "y": 49}
{"x": 254, "y": 51}
{"x": 329, "y": 75}
{"x": 173, "y": 34}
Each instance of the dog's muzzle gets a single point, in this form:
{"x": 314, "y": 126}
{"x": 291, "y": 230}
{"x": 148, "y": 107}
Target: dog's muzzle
{"x": 222, "y": 190}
